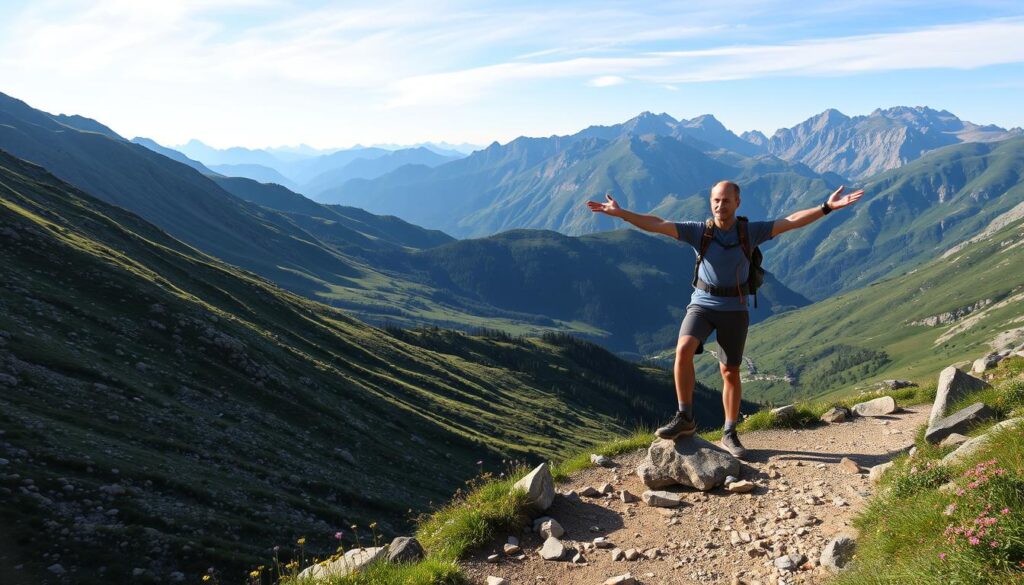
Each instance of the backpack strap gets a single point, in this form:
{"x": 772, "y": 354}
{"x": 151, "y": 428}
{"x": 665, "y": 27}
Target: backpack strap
{"x": 705, "y": 241}
{"x": 741, "y": 229}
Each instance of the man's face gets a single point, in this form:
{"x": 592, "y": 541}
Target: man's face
{"x": 723, "y": 203}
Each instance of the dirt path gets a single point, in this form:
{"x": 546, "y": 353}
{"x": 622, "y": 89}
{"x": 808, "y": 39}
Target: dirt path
{"x": 802, "y": 499}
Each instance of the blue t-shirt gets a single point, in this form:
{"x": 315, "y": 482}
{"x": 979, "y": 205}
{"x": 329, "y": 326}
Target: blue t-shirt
{"x": 724, "y": 262}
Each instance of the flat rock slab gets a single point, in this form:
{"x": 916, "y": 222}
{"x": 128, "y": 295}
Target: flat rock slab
{"x": 960, "y": 422}
{"x": 661, "y": 499}
{"x": 880, "y": 406}
{"x": 352, "y": 561}
{"x": 972, "y": 446}
{"x": 689, "y": 461}
{"x": 740, "y": 487}
{"x": 954, "y": 384}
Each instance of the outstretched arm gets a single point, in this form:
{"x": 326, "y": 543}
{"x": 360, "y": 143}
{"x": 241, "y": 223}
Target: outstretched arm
{"x": 650, "y": 223}
{"x": 801, "y": 218}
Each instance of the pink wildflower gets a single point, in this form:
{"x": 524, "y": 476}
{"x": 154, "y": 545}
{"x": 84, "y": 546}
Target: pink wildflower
{"x": 974, "y": 540}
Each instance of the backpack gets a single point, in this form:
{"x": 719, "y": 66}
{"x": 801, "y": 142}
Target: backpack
{"x": 755, "y": 277}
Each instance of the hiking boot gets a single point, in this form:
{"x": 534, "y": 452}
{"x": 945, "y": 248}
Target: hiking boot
{"x": 731, "y": 442}
{"x": 681, "y": 425}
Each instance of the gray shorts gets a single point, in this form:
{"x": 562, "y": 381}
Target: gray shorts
{"x": 731, "y": 328}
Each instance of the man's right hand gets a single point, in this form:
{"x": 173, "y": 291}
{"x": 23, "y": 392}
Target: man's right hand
{"x": 610, "y": 207}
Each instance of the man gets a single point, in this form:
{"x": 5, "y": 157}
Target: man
{"x": 719, "y": 302}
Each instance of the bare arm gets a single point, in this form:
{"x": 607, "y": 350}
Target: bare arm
{"x": 805, "y": 216}
{"x": 650, "y": 223}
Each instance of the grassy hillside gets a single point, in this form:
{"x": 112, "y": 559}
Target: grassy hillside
{"x": 164, "y": 411}
{"x": 900, "y": 327}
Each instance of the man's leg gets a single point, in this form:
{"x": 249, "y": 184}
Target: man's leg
{"x": 686, "y": 347}
{"x": 732, "y": 392}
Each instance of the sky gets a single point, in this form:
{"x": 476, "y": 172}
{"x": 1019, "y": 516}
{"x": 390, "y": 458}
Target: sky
{"x": 261, "y": 73}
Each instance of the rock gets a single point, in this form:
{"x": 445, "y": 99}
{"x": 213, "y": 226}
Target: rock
{"x": 838, "y": 552}
{"x": 876, "y": 473}
{"x": 626, "y": 579}
{"x": 836, "y": 414}
{"x": 493, "y": 558}
{"x": 789, "y": 562}
{"x": 601, "y": 460}
{"x": 553, "y": 549}
{"x": 548, "y": 527}
{"x": 690, "y": 461}
{"x": 511, "y": 549}
{"x": 4, "y": 461}
{"x": 960, "y": 421}
{"x": 352, "y": 561}
{"x": 405, "y": 549}
{"x": 589, "y": 492}
{"x": 56, "y": 569}
{"x": 605, "y": 488}
{"x": 579, "y": 558}
{"x": 985, "y": 363}
{"x": 491, "y": 580}
{"x": 740, "y": 487}
{"x": 632, "y": 554}
{"x": 880, "y": 406}
{"x": 974, "y": 445}
{"x": 849, "y": 465}
{"x": 897, "y": 384}
{"x": 602, "y": 542}
{"x": 539, "y": 487}
{"x": 785, "y": 412}
{"x": 953, "y": 440}
{"x": 662, "y": 499}
{"x": 627, "y": 497}
{"x": 954, "y": 384}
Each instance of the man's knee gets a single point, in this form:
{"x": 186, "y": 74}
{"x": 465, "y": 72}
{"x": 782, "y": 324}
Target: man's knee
{"x": 686, "y": 347}
{"x": 728, "y": 370}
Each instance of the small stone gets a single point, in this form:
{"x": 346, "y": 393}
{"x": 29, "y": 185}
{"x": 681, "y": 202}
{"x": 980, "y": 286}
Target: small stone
{"x": 849, "y": 465}
{"x": 56, "y": 569}
{"x": 876, "y": 473}
{"x": 493, "y": 558}
{"x": 953, "y": 440}
{"x": 549, "y": 527}
{"x": 627, "y": 497}
{"x": 836, "y": 414}
{"x": 626, "y": 579}
{"x": 662, "y": 499}
{"x": 632, "y": 554}
{"x": 511, "y": 549}
{"x": 496, "y": 581}
{"x": 589, "y": 492}
{"x": 602, "y": 542}
{"x": 739, "y": 487}
{"x": 838, "y": 552}
{"x": 606, "y": 488}
{"x": 601, "y": 460}
{"x": 553, "y": 549}
{"x": 618, "y": 554}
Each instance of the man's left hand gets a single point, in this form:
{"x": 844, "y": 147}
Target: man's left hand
{"x": 837, "y": 200}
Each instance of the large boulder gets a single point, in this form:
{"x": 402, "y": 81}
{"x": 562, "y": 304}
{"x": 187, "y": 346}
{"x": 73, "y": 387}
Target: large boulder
{"x": 350, "y": 562}
{"x": 880, "y": 406}
{"x": 539, "y": 487}
{"x": 689, "y": 461}
{"x": 960, "y": 422}
{"x": 954, "y": 384}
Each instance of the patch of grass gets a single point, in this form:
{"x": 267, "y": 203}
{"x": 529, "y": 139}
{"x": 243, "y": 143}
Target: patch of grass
{"x": 913, "y": 533}
{"x": 639, "y": 439}
{"x": 432, "y": 570}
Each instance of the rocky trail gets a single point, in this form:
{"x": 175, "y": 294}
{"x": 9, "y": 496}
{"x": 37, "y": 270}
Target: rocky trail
{"x": 804, "y": 494}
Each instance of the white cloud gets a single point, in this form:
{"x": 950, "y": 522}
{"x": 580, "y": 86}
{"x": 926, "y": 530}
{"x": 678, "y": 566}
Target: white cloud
{"x": 606, "y": 81}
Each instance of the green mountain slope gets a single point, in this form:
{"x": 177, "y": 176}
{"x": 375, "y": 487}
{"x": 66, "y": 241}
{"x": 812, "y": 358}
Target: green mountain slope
{"x": 201, "y": 415}
{"x": 906, "y": 326}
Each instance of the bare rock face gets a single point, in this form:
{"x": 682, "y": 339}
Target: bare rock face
{"x": 539, "y": 487}
{"x": 953, "y": 385}
{"x": 689, "y": 461}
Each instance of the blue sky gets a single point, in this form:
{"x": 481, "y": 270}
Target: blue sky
{"x": 332, "y": 74}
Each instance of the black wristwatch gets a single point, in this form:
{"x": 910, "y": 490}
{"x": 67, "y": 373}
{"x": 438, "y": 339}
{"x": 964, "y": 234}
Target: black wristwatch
{"x": 825, "y": 209}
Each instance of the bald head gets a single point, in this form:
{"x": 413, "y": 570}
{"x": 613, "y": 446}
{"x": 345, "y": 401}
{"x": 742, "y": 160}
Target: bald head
{"x": 726, "y": 188}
